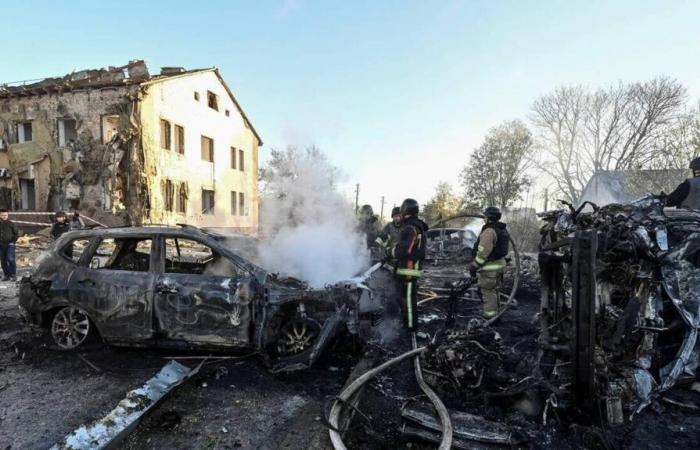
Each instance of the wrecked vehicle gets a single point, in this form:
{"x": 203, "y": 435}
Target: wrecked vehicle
{"x": 449, "y": 243}
{"x": 180, "y": 287}
{"x": 620, "y": 304}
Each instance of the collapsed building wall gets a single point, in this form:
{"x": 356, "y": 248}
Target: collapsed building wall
{"x": 66, "y": 150}
{"x": 125, "y": 147}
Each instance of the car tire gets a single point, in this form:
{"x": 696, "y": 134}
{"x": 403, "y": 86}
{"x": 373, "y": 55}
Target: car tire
{"x": 71, "y": 328}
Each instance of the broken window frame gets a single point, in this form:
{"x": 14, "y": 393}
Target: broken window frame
{"x": 61, "y": 135}
{"x": 177, "y": 245}
{"x": 169, "y": 195}
{"x": 137, "y": 237}
{"x": 181, "y": 206}
{"x": 208, "y": 150}
{"x": 179, "y": 137}
{"x": 166, "y": 134}
{"x": 22, "y": 137}
{"x": 211, "y": 206}
{"x": 212, "y": 100}
{"x": 67, "y": 251}
{"x": 104, "y": 123}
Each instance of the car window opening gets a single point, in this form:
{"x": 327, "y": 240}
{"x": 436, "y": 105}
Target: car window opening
{"x": 130, "y": 254}
{"x": 187, "y": 256}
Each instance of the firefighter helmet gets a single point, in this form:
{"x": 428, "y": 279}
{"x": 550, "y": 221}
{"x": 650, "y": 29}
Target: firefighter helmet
{"x": 396, "y": 210}
{"x": 409, "y": 207}
{"x": 492, "y": 213}
{"x": 366, "y": 210}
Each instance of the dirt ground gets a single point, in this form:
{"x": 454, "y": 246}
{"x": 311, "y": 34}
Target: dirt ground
{"x": 236, "y": 403}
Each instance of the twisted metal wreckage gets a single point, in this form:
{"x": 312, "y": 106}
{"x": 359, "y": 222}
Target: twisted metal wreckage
{"x": 620, "y": 302}
{"x": 619, "y": 317}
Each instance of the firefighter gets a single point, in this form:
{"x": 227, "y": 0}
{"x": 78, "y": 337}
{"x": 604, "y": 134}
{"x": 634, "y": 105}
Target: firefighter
{"x": 687, "y": 194}
{"x": 409, "y": 253}
{"x": 489, "y": 259}
{"x": 368, "y": 224}
{"x": 389, "y": 235}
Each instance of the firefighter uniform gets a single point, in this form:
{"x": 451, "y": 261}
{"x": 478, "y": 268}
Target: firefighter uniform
{"x": 490, "y": 264}
{"x": 409, "y": 254}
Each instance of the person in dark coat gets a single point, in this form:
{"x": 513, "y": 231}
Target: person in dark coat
{"x": 61, "y": 226}
{"x": 8, "y": 238}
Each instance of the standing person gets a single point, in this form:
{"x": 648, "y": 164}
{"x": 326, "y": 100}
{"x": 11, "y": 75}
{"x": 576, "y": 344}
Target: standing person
{"x": 687, "y": 194}
{"x": 489, "y": 262}
{"x": 61, "y": 226}
{"x": 368, "y": 224}
{"x": 389, "y": 235}
{"x": 76, "y": 222}
{"x": 409, "y": 253}
{"x": 8, "y": 237}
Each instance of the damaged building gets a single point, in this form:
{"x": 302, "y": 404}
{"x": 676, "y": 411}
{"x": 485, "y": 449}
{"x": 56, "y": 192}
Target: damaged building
{"x": 127, "y": 148}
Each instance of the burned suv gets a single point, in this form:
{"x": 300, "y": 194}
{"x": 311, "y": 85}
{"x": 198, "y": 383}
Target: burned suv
{"x": 180, "y": 287}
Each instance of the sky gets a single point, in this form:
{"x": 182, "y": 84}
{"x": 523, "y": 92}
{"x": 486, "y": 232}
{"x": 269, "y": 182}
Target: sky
{"x": 396, "y": 93}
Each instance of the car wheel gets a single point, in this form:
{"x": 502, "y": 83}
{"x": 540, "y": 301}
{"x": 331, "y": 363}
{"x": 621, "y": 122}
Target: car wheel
{"x": 297, "y": 336}
{"x": 70, "y": 327}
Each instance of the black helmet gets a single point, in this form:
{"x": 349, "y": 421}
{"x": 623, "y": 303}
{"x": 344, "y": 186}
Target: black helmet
{"x": 395, "y": 210}
{"x": 695, "y": 164}
{"x": 409, "y": 207}
{"x": 492, "y": 213}
{"x": 366, "y": 210}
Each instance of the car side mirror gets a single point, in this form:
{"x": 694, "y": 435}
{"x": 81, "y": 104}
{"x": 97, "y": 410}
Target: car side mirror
{"x": 95, "y": 263}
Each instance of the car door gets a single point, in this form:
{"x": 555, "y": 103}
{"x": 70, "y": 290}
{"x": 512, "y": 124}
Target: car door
{"x": 201, "y": 297}
{"x": 116, "y": 289}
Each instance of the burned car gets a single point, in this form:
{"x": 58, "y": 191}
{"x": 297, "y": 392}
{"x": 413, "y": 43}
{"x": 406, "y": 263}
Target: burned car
{"x": 620, "y": 305}
{"x": 180, "y": 287}
{"x": 449, "y": 243}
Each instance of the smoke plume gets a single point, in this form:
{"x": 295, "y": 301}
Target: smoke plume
{"x": 308, "y": 228}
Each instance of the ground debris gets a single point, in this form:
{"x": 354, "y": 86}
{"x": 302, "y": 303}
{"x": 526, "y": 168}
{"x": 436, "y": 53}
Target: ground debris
{"x": 114, "y": 427}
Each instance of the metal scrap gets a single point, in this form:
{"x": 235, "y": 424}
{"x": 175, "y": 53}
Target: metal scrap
{"x": 116, "y": 425}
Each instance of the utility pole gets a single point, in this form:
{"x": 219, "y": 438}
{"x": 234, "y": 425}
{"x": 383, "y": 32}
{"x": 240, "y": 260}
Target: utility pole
{"x": 357, "y": 197}
{"x": 546, "y": 198}
{"x": 381, "y": 213}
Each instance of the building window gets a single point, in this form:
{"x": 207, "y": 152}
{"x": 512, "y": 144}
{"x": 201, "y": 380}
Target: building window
{"x": 227, "y": 112}
{"x": 241, "y": 163}
{"x": 207, "y": 201}
{"x": 24, "y": 132}
{"x": 234, "y": 203}
{"x": 207, "y": 149}
{"x": 196, "y": 95}
{"x": 168, "y": 195}
{"x": 233, "y": 157}
{"x": 110, "y": 127}
{"x": 241, "y": 205}
{"x": 182, "y": 198}
{"x": 165, "y": 134}
{"x": 67, "y": 132}
{"x": 180, "y": 139}
{"x": 212, "y": 100}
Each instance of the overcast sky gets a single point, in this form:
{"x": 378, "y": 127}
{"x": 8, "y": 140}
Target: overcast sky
{"x": 397, "y": 93}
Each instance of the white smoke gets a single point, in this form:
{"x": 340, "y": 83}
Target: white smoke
{"x": 309, "y": 229}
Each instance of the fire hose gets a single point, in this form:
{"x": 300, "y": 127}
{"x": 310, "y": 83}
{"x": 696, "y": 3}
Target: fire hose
{"x": 344, "y": 396}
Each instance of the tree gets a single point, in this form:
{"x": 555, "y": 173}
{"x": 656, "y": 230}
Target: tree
{"x": 621, "y": 127}
{"x": 443, "y": 204}
{"x": 681, "y": 144}
{"x": 495, "y": 174}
